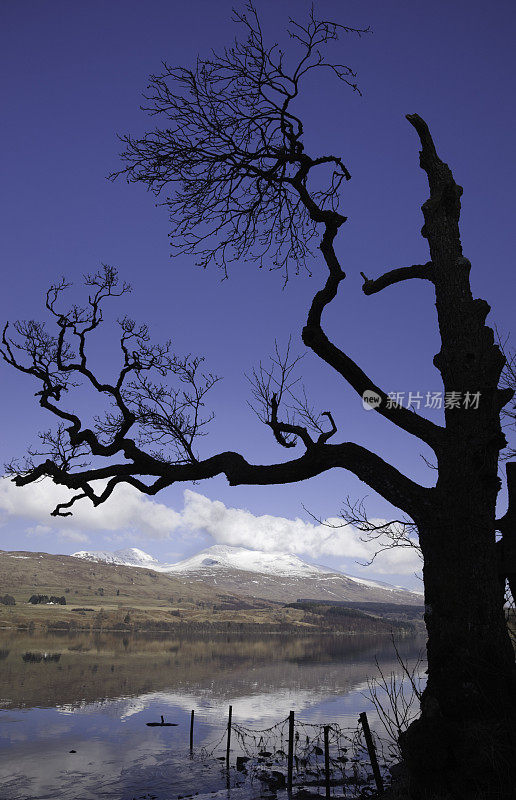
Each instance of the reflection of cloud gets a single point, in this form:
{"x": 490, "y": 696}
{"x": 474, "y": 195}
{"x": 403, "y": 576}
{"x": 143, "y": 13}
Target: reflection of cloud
{"x": 252, "y": 707}
{"x": 260, "y": 694}
{"x": 133, "y": 707}
{"x": 256, "y": 707}
{"x": 52, "y": 771}
{"x": 13, "y": 734}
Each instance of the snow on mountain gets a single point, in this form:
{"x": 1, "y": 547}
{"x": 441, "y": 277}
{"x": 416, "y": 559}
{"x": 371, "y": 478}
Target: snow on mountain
{"x": 273, "y": 576}
{"x": 130, "y": 557}
{"x": 220, "y": 556}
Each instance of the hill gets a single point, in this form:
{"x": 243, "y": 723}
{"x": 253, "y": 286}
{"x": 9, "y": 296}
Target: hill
{"x": 283, "y": 577}
{"x": 101, "y": 595}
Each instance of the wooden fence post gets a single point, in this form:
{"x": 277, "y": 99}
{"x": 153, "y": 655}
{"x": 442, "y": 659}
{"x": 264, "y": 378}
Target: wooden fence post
{"x": 191, "y": 730}
{"x": 229, "y": 736}
{"x": 290, "y": 750}
{"x": 327, "y": 760}
{"x": 371, "y": 750}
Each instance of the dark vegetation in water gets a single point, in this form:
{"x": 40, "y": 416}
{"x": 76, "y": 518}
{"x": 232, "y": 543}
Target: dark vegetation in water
{"x": 37, "y": 657}
{"x": 162, "y": 724}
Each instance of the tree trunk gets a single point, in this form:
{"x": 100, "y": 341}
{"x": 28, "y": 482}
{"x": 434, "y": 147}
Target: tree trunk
{"x": 464, "y": 743}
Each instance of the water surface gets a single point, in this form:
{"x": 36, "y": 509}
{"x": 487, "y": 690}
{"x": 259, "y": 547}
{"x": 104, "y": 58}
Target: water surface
{"x": 94, "y": 694}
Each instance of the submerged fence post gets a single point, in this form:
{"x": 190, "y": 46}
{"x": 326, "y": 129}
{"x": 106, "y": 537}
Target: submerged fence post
{"x": 229, "y": 736}
{"x": 327, "y": 760}
{"x": 191, "y": 729}
{"x": 371, "y": 750}
{"x": 290, "y": 750}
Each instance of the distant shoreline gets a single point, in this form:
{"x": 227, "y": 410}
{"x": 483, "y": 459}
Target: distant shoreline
{"x": 155, "y": 625}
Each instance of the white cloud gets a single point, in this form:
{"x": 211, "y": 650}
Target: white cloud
{"x": 74, "y": 536}
{"x": 127, "y": 509}
{"x": 238, "y": 527}
{"x": 38, "y": 530}
{"x": 129, "y": 514}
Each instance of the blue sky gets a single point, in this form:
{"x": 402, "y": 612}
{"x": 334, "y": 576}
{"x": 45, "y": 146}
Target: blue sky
{"x": 72, "y": 76}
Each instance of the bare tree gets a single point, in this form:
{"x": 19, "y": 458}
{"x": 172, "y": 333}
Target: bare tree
{"x": 395, "y": 697}
{"x": 230, "y": 151}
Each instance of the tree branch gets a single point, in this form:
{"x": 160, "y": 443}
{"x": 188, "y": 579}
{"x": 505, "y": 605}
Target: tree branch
{"x": 230, "y": 144}
{"x": 315, "y": 338}
{"x": 424, "y": 271}
{"x": 279, "y": 428}
{"x": 367, "y": 466}
{"x": 270, "y": 386}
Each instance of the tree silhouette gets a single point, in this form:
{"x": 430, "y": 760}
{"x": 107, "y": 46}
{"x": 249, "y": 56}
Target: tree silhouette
{"x": 231, "y": 153}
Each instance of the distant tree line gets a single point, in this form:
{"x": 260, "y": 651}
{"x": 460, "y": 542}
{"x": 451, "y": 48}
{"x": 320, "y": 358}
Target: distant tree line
{"x": 40, "y": 599}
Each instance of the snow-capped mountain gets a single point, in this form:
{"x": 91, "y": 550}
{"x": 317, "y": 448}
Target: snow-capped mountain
{"x": 271, "y": 576}
{"x": 221, "y": 556}
{"x": 130, "y": 557}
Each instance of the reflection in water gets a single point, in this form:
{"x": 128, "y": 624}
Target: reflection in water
{"x": 96, "y": 698}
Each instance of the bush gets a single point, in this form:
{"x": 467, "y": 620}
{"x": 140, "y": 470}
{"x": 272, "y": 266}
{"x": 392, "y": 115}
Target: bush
{"x": 58, "y": 601}
{"x": 38, "y": 599}
{"x": 8, "y": 600}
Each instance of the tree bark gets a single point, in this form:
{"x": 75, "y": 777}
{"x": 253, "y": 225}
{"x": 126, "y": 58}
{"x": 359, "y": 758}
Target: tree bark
{"x": 464, "y": 743}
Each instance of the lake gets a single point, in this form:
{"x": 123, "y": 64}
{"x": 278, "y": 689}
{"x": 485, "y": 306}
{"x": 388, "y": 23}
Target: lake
{"x": 94, "y": 693}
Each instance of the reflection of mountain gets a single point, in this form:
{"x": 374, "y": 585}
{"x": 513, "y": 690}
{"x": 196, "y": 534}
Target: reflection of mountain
{"x": 272, "y": 576}
{"x": 256, "y": 706}
{"x": 200, "y": 673}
